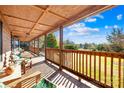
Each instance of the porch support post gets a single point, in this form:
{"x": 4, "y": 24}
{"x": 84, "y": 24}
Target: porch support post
{"x": 38, "y": 46}
{"x": 11, "y": 41}
{"x": 29, "y": 45}
{"x": 34, "y": 45}
{"x": 45, "y": 46}
{"x": 61, "y": 47}
{"x": 18, "y": 44}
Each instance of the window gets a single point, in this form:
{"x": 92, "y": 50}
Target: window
{"x": 0, "y": 41}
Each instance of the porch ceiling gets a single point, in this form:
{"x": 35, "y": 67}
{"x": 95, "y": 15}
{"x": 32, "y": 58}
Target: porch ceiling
{"x": 29, "y": 22}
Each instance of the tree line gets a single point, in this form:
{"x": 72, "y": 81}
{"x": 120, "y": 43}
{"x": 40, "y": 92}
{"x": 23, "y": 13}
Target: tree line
{"x": 115, "y": 43}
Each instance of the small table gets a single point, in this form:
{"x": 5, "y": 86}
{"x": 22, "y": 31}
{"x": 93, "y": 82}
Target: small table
{"x": 15, "y": 75}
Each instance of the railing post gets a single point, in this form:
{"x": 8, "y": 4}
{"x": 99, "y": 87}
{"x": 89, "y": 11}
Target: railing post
{"x": 61, "y": 47}
{"x": 45, "y": 45}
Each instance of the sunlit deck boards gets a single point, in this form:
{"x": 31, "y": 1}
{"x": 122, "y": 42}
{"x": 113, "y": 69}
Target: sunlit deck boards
{"x": 60, "y": 78}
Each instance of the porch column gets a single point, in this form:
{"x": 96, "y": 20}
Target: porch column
{"x": 11, "y": 41}
{"x": 61, "y": 47}
{"x": 34, "y": 46}
{"x": 38, "y": 46}
{"x": 29, "y": 45}
{"x": 18, "y": 44}
{"x": 45, "y": 46}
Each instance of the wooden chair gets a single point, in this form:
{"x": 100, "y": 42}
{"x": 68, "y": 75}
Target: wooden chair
{"x": 25, "y": 66}
{"x": 29, "y": 81}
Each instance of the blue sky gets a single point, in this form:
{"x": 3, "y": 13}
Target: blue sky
{"x": 94, "y": 29}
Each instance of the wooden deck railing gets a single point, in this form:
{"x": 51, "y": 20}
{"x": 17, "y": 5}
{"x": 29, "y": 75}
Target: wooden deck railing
{"x": 34, "y": 49}
{"x": 103, "y": 68}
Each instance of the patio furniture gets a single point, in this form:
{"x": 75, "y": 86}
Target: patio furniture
{"x": 26, "y": 64}
{"x": 14, "y": 75}
{"x": 28, "y": 81}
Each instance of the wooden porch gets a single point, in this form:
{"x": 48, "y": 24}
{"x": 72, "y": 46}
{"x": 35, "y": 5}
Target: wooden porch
{"x": 28, "y": 23}
{"x": 62, "y": 79}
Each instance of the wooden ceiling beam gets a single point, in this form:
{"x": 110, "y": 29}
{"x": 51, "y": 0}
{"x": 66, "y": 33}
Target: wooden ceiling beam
{"x": 18, "y": 18}
{"x": 78, "y": 17}
{"x": 5, "y": 22}
{"x": 39, "y": 30}
{"x": 18, "y": 31}
{"x": 26, "y": 20}
{"x": 45, "y": 24}
{"x": 53, "y": 13}
{"x": 57, "y": 15}
{"x": 20, "y": 26}
{"x": 39, "y": 18}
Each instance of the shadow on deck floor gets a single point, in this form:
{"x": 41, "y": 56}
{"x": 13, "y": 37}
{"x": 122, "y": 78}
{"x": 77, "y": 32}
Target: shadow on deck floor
{"x": 63, "y": 79}
{"x": 60, "y": 78}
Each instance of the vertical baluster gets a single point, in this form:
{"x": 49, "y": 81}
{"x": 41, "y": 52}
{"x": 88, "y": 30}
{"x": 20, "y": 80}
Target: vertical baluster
{"x": 77, "y": 61}
{"x": 86, "y": 63}
{"x": 80, "y": 62}
{"x": 111, "y": 70}
{"x": 74, "y": 61}
{"x": 90, "y": 65}
{"x": 119, "y": 73}
{"x": 100, "y": 68}
{"x": 105, "y": 60}
{"x": 94, "y": 66}
{"x": 83, "y": 63}
{"x": 65, "y": 58}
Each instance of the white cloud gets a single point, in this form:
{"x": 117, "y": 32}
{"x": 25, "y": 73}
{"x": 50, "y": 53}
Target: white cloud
{"x": 90, "y": 19}
{"x": 94, "y": 18}
{"x": 114, "y": 26}
{"x": 81, "y": 29}
{"x": 106, "y": 27}
{"x": 94, "y": 38}
{"x": 99, "y": 16}
{"x": 119, "y": 17}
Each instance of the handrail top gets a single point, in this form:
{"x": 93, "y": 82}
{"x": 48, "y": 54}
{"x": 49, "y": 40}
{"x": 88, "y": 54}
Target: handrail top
{"x": 94, "y": 52}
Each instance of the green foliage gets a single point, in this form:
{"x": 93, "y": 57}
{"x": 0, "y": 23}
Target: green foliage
{"x": 68, "y": 42}
{"x": 51, "y": 41}
{"x": 80, "y": 45}
{"x": 70, "y": 46}
{"x": 116, "y": 40}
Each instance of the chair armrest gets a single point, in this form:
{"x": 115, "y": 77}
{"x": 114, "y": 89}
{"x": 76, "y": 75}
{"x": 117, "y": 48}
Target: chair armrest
{"x": 35, "y": 75}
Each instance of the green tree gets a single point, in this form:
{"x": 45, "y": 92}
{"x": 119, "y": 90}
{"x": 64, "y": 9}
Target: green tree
{"x": 116, "y": 40}
{"x": 51, "y": 41}
{"x": 70, "y": 46}
{"x": 86, "y": 46}
{"x": 80, "y": 45}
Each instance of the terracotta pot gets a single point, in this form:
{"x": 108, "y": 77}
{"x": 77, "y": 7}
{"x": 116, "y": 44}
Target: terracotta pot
{"x": 8, "y": 70}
